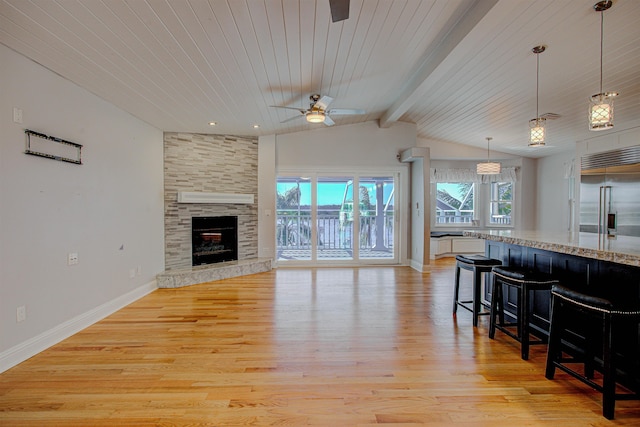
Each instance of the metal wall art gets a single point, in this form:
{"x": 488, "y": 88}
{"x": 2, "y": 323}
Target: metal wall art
{"x": 38, "y": 144}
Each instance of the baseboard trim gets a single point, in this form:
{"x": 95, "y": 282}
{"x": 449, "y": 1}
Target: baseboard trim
{"x": 417, "y": 266}
{"x": 29, "y": 348}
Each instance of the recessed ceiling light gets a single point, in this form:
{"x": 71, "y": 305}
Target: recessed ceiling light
{"x": 213, "y": 123}
{"x": 256, "y": 126}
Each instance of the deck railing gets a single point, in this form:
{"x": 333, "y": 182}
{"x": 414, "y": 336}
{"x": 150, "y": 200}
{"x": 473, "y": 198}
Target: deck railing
{"x": 467, "y": 218}
{"x": 293, "y": 230}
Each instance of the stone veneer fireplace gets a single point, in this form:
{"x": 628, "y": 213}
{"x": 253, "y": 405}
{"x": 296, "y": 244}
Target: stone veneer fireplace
{"x": 214, "y": 164}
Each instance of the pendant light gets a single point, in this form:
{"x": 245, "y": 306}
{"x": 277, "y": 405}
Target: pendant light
{"x": 488, "y": 167}
{"x": 601, "y": 106}
{"x": 537, "y": 131}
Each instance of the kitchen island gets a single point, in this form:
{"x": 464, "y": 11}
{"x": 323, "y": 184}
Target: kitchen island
{"x": 619, "y": 249}
{"x": 582, "y": 261}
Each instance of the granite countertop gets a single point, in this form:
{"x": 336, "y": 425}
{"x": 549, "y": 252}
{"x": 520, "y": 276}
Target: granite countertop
{"x": 620, "y": 249}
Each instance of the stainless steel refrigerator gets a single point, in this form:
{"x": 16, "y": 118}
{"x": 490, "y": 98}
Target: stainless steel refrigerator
{"x": 610, "y": 193}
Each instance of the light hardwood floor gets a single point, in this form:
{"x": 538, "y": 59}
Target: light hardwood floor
{"x": 331, "y": 347}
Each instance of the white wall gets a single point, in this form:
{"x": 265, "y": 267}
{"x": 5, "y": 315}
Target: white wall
{"x": 441, "y": 150}
{"x": 362, "y": 147}
{"x": 420, "y": 211}
{"x": 267, "y": 197}
{"x": 553, "y": 192}
{"x": 109, "y": 210}
{"x": 526, "y": 195}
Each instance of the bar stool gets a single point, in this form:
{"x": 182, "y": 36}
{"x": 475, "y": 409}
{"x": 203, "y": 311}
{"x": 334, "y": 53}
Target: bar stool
{"x": 525, "y": 281}
{"x": 478, "y": 264}
{"x": 610, "y": 316}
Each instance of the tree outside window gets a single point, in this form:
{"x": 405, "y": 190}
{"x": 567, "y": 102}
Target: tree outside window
{"x": 455, "y": 202}
{"x": 501, "y": 203}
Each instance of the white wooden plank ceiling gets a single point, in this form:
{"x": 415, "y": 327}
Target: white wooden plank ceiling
{"x": 460, "y": 69}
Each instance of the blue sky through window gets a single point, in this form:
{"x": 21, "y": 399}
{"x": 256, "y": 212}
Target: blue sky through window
{"x": 452, "y": 189}
{"x": 331, "y": 193}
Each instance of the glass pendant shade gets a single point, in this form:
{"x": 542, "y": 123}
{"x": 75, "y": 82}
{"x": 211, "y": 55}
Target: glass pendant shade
{"x": 601, "y": 111}
{"x": 537, "y": 132}
{"x": 488, "y": 168}
{"x": 315, "y": 117}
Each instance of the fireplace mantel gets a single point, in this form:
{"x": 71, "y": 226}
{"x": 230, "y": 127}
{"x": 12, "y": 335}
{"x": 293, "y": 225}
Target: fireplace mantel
{"x": 203, "y": 197}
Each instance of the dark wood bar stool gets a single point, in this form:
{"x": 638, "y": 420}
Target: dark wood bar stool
{"x": 525, "y": 281}
{"x": 609, "y": 316}
{"x": 479, "y": 265}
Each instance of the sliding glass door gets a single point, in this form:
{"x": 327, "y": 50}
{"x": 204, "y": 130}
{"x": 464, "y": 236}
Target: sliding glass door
{"x": 377, "y": 217}
{"x": 293, "y": 220}
{"x": 333, "y": 219}
{"x": 335, "y": 231}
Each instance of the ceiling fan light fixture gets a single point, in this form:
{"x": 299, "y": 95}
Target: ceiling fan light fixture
{"x": 315, "y": 117}
{"x": 488, "y": 167}
{"x": 601, "y": 105}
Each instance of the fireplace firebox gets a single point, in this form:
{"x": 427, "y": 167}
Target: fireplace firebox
{"x": 214, "y": 239}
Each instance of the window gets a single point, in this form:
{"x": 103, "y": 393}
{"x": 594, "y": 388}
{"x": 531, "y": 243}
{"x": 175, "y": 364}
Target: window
{"x": 501, "y": 203}
{"x": 461, "y": 198}
{"x": 455, "y": 203}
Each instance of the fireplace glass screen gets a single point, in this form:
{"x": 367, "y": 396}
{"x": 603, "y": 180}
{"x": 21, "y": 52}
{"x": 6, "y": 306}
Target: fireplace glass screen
{"x": 214, "y": 239}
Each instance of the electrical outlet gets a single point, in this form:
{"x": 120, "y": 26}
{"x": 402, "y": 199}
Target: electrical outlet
{"x": 72, "y": 259}
{"x": 132, "y": 273}
{"x": 17, "y": 115}
{"x": 21, "y": 314}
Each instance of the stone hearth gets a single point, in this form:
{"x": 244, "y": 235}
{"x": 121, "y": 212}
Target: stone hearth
{"x": 188, "y": 276}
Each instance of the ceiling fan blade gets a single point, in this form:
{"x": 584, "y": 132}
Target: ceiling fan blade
{"x": 323, "y": 103}
{"x": 339, "y": 10}
{"x": 328, "y": 121}
{"x": 291, "y": 118}
{"x": 289, "y": 108}
{"x": 345, "y": 111}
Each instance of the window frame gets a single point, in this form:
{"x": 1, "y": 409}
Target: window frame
{"x": 492, "y": 202}
{"x": 436, "y": 224}
{"x": 482, "y": 203}
{"x": 399, "y": 218}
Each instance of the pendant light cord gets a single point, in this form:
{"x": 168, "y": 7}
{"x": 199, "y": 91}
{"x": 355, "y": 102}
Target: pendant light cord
{"x": 488, "y": 157}
{"x": 601, "y": 44}
{"x": 538, "y": 83}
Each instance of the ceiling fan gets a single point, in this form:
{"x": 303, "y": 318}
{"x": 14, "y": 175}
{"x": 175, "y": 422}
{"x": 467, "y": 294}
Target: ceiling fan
{"x": 319, "y": 112}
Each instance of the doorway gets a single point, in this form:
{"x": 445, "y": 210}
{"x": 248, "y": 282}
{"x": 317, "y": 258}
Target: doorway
{"x": 317, "y": 223}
